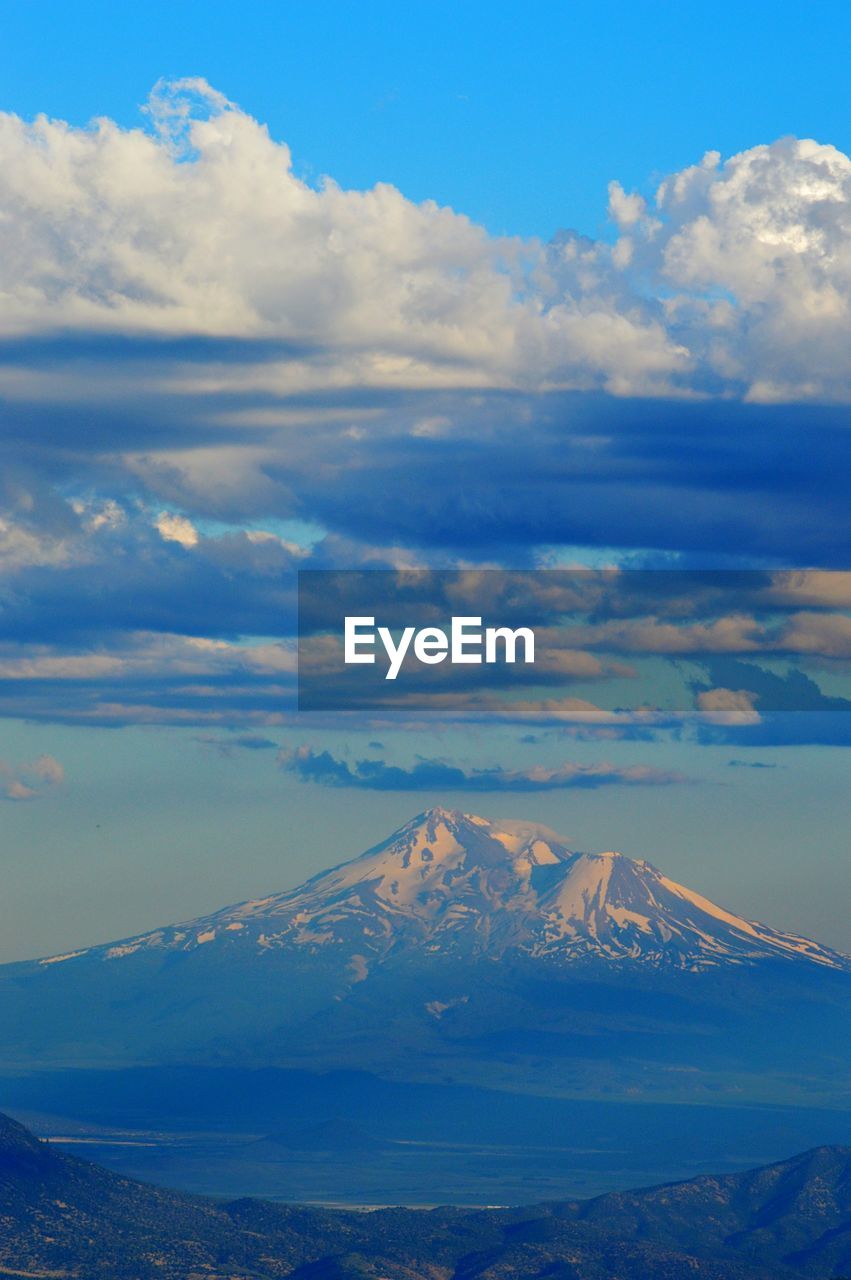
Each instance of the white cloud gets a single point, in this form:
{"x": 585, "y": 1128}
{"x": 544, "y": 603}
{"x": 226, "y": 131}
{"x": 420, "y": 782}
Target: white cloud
{"x": 144, "y": 654}
{"x": 728, "y": 706}
{"x": 48, "y": 769}
{"x": 761, "y": 249}
{"x": 736, "y": 278}
{"x": 176, "y": 528}
{"x": 25, "y": 546}
{"x": 811, "y": 587}
{"x": 625, "y": 210}
{"x": 29, "y": 781}
{"x": 823, "y": 634}
{"x": 199, "y": 226}
{"x": 14, "y": 789}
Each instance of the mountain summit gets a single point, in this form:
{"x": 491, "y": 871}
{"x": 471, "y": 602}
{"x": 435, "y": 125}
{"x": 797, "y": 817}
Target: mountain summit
{"x": 460, "y": 885}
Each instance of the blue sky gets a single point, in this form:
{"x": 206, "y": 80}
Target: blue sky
{"x": 516, "y": 115}
{"x": 599, "y": 345}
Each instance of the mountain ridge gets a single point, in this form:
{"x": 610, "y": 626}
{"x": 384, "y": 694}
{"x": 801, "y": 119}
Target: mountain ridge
{"x": 65, "y": 1216}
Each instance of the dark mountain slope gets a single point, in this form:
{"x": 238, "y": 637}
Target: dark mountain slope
{"x": 63, "y": 1217}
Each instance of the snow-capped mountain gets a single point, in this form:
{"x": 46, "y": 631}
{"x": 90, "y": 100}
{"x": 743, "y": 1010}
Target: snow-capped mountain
{"x": 482, "y": 951}
{"x": 458, "y": 885}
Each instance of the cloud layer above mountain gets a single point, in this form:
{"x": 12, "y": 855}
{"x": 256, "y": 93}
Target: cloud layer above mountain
{"x": 213, "y": 373}
{"x": 441, "y": 775}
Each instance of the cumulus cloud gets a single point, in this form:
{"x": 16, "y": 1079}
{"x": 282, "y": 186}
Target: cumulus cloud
{"x": 759, "y": 249}
{"x": 750, "y": 260}
{"x": 176, "y": 528}
{"x": 31, "y": 780}
{"x": 377, "y": 775}
{"x": 828, "y": 635}
{"x": 199, "y": 225}
{"x": 728, "y": 706}
{"x": 735, "y": 276}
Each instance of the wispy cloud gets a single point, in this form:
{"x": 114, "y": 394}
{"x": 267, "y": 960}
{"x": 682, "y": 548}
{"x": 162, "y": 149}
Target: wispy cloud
{"x": 228, "y": 746}
{"x": 378, "y": 775}
{"x": 30, "y": 780}
{"x": 750, "y": 764}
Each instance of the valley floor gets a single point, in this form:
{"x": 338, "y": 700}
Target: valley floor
{"x": 360, "y": 1171}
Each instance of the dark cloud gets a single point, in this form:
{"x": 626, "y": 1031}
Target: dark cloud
{"x": 792, "y": 729}
{"x": 712, "y": 483}
{"x": 759, "y": 484}
{"x": 622, "y": 732}
{"x": 750, "y": 764}
{"x": 428, "y": 774}
{"x": 237, "y": 742}
{"x": 131, "y": 579}
{"x": 773, "y": 692}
